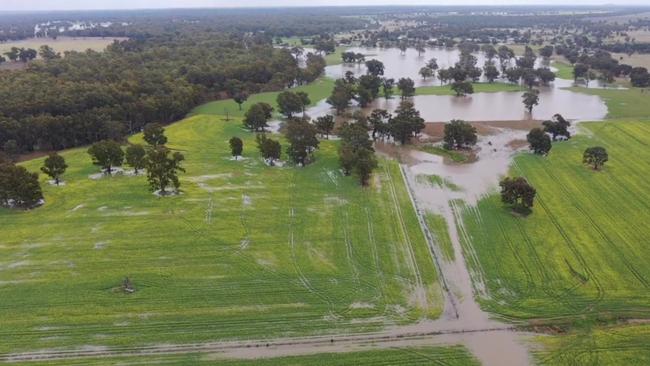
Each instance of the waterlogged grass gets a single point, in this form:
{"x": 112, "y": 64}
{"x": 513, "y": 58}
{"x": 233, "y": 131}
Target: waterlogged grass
{"x": 478, "y": 88}
{"x": 452, "y": 155}
{"x": 317, "y": 90}
{"x": 622, "y": 103}
{"x": 452, "y": 356}
{"x": 612, "y": 346}
{"x": 247, "y": 251}
{"x": 582, "y": 251}
{"x": 564, "y": 70}
{"x": 438, "y": 225}
{"x": 334, "y": 58}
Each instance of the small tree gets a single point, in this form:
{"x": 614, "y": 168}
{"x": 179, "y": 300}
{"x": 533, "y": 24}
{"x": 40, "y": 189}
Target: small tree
{"x": 54, "y": 166}
{"x": 257, "y": 115}
{"x": 530, "y": 99}
{"x": 387, "y": 86}
{"x": 539, "y": 141}
{"x": 325, "y": 125}
{"x": 236, "y": 146}
{"x": 406, "y": 123}
{"x": 406, "y": 87}
{"x": 491, "y": 71}
{"x": 426, "y": 72}
{"x": 364, "y": 163}
{"x": 375, "y": 67}
{"x": 106, "y": 154}
{"x": 558, "y": 126}
{"x": 304, "y": 100}
{"x": 459, "y": 134}
{"x": 270, "y": 149}
{"x": 462, "y": 88}
{"x": 240, "y": 97}
{"x": 290, "y": 103}
{"x": 162, "y": 169}
{"x": 154, "y": 134}
{"x": 302, "y": 140}
{"x": 341, "y": 96}
{"x": 518, "y": 193}
{"x": 18, "y": 187}
{"x": 136, "y": 157}
{"x": 595, "y": 156}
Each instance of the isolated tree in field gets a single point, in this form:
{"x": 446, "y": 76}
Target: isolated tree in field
{"x": 539, "y": 141}
{"x": 518, "y": 193}
{"x": 154, "y": 134}
{"x": 240, "y": 97}
{"x": 462, "y": 88}
{"x": 257, "y": 115}
{"x": 302, "y": 140}
{"x": 18, "y": 187}
{"x": 558, "y": 126}
{"x": 426, "y": 72}
{"x": 459, "y": 134}
{"x": 406, "y": 123}
{"x": 106, "y": 154}
{"x": 54, "y": 166}
{"x": 325, "y": 125}
{"x": 375, "y": 67}
{"x": 163, "y": 169}
{"x": 406, "y": 87}
{"x": 136, "y": 157}
{"x": 387, "y": 87}
{"x": 289, "y": 103}
{"x": 269, "y": 148}
{"x": 236, "y": 146}
{"x": 341, "y": 96}
{"x": 530, "y": 98}
{"x": 595, "y": 156}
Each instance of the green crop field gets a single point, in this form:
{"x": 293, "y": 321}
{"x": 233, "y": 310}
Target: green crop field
{"x": 611, "y": 346}
{"x": 247, "y": 251}
{"x": 581, "y": 251}
{"x": 449, "y": 356}
{"x": 622, "y": 103}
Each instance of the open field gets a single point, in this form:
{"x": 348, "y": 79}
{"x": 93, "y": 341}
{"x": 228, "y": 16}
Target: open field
{"x": 335, "y": 57}
{"x": 450, "y": 356}
{"x": 247, "y": 251}
{"x": 564, "y": 70}
{"x": 581, "y": 251}
{"x": 61, "y": 44}
{"x": 318, "y": 90}
{"x": 636, "y": 59}
{"x": 622, "y": 103}
{"x": 612, "y": 346}
{"x": 478, "y": 88}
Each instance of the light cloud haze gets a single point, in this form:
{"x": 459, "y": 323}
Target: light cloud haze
{"x": 26, "y": 5}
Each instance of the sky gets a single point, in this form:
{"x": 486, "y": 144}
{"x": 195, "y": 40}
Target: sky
{"x": 26, "y": 5}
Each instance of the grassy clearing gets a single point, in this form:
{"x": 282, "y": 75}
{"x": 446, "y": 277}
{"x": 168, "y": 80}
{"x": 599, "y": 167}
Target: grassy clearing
{"x": 61, "y": 44}
{"x": 612, "y": 346}
{"x": 580, "y": 252}
{"x": 452, "y": 155}
{"x": 622, "y": 103}
{"x": 451, "y": 356}
{"x": 247, "y": 251}
{"x": 335, "y": 57}
{"x": 564, "y": 70}
{"x": 478, "y": 88}
{"x": 318, "y": 90}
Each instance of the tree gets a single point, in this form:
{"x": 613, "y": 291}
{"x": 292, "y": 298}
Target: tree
{"x": 546, "y": 51}
{"x": 154, "y": 134}
{"x": 387, "y": 87}
{"x": 325, "y": 125}
{"x": 462, "y": 88}
{"x": 54, "y": 166}
{"x": 236, "y": 146}
{"x": 580, "y": 71}
{"x": 530, "y": 99}
{"x": 240, "y": 97}
{"x": 289, "y": 103}
{"x": 491, "y": 71}
{"x": 341, "y": 96}
{"x": 356, "y": 152}
{"x": 18, "y": 187}
{"x": 539, "y": 141}
{"x": 106, "y": 154}
{"x": 595, "y": 156}
{"x": 558, "y": 126}
{"x": 304, "y": 100}
{"x": 136, "y": 157}
{"x": 257, "y": 115}
{"x": 639, "y": 77}
{"x": 302, "y": 140}
{"x": 459, "y": 134}
{"x": 432, "y": 64}
{"x": 27, "y": 54}
{"x": 364, "y": 163}
{"x": 545, "y": 75}
{"x": 505, "y": 54}
{"x": 375, "y": 67}
{"x": 380, "y": 121}
{"x": 406, "y": 123}
{"x": 163, "y": 169}
{"x": 406, "y": 87}
{"x": 346, "y": 158}
{"x": 269, "y": 148}
{"x": 13, "y": 53}
{"x": 517, "y": 192}
{"x": 47, "y": 53}
{"x": 426, "y": 72}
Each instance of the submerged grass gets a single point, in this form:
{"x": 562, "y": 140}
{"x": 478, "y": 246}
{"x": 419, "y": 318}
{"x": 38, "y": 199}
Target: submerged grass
{"x": 478, "y": 88}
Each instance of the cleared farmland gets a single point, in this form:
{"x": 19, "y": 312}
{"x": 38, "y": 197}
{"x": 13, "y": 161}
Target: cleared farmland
{"x": 62, "y": 44}
{"x": 247, "y": 251}
{"x": 581, "y": 251}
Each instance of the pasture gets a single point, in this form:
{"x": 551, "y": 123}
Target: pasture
{"x": 61, "y": 44}
{"x": 247, "y": 251}
{"x": 581, "y": 252}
